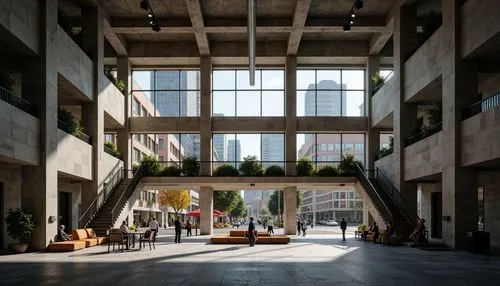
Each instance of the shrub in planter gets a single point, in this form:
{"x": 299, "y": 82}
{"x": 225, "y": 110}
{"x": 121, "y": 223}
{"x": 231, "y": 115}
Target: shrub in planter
{"x": 69, "y": 123}
{"x": 191, "y": 166}
{"x": 304, "y": 167}
{"x": 135, "y": 167}
{"x": 348, "y": 166}
{"x": 171, "y": 171}
{"x": 112, "y": 148}
{"x": 150, "y": 166}
{"x": 274, "y": 171}
{"x": 20, "y": 226}
{"x": 251, "y": 167}
{"x": 327, "y": 171}
{"x": 226, "y": 170}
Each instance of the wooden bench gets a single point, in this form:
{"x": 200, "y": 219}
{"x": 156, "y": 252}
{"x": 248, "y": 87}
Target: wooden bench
{"x": 239, "y": 237}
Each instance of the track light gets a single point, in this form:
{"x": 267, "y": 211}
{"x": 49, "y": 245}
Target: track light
{"x": 156, "y": 27}
{"x": 144, "y": 4}
{"x": 150, "y": 15}
{"x": 353, "y": 15}
{"x": 347, "y": 28}
{"x": 358, "y": 4}
{"x": 351, "y": 22}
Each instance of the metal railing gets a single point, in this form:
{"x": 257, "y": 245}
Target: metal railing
{"x": 112, "y": 152}
{"x": 18, "y": 102}
{"x": 236, "y": 164}
{"x": 481, "y": 106}
{"x": 129, "y": 190}
{"x": 82, "y": 136}
{"x": 396, "y": 197}
{"x": 428, "y": 131}
{"x": 384, "y": 153}
{"x": 379, "y": 86}
{"x": 111, "y": 181}
{"x": 364, "y": 178}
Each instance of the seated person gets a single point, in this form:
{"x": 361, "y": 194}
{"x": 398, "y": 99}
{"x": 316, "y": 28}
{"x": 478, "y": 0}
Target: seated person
{"x": 63, "y": 236}
{"x": 124, "y": 230}
{"x": 390, "y": 229}
{"x": 376, "y": 232}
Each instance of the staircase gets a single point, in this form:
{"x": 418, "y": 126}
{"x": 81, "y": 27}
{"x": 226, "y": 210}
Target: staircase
{"x": 103, "y": 219}
{"x": 387, "y": 200}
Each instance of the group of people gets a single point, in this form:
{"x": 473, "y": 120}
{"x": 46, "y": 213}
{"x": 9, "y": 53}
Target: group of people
{"x": 302, "y": 226}
{"x": 416, "y": 235}
{"x": 268, "y": 223}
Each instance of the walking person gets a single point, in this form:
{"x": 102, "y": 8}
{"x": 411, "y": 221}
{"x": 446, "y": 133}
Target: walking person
{"x": 299, "y": 227}
{"x": 154, "y": 226}
{"x": 178, "y": 229}
{"x": 270, "y": 226}
{"x": 343, "y": 226}
{"x": 251, "y": 230}
{"x": 188, "y": 227}
{"x": 304, "y": 227}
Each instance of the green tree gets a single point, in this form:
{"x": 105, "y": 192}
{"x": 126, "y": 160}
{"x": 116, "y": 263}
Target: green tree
{"x": 191, "y": 166}
{"x": 272, "y": 205}
{"x": 225, "y": 201}
{"x": 251, "y": 166}
{"x": 240, "y": 210}
{"x": 264, "y": 213}
{"x": 304, "y": 167}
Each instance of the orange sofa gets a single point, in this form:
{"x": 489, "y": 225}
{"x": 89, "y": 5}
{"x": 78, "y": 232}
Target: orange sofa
{"x": 238, "y": 237}
{"x": 82, "y": 238}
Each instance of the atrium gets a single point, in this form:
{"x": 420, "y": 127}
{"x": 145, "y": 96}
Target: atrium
{"x": 381, "y": 112}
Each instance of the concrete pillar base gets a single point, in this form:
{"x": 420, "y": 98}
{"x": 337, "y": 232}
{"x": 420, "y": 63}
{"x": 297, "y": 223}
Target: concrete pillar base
{"x": 290, "y": 210}
{"x": 206, "y": 210}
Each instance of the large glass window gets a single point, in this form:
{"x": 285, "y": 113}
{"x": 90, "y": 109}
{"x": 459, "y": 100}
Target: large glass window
{"x": 330, "y": 92}
{"x": 328, "y": 149}
{"x": 233, "y": 148}
{"x": 167, "y": 92}
{"x": 232, "y": 94}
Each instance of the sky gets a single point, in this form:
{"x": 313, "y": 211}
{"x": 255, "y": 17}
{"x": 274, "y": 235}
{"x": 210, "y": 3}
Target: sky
{"x": 227, "y": 92}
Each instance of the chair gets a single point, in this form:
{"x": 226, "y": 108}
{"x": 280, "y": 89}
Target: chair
{"x": 116, "y": 238}
{"x": 148, "y": 237}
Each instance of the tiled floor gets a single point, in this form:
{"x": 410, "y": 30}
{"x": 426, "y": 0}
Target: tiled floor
{"x": 317, "y": 259}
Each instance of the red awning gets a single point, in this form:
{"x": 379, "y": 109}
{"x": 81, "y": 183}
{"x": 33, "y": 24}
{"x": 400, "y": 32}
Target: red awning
{"x": 196, "y": 213}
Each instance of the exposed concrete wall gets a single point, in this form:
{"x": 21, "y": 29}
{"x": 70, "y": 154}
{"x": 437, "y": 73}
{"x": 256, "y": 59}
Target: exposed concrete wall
{"x": 19, "y": 136}
{"x": 369, "y": 208}
{"x": 76, "y": 199}
{"x": 490, "y": 86}
{"x": 331, "y": 124}
{"x": 386, "y": 165}
{"x": 113, "y": 101}
{"x": 424, "y": 158}
{"x": 248, "y": 124}
{"x": 22, "y": 19}
{"x": 383, "y": 102}
{"x": 74, "y": 157}
{"x": 74, "y": 64}
{"x": 127, "y": 212}
{"x": 110, "y": 165}
{"x": 425, "y": 65}
{"x": 479, "y": 23}
{"x": 12, "y": 180}
{"x": 491, "y": 183}
{"x": 480, "y": 137}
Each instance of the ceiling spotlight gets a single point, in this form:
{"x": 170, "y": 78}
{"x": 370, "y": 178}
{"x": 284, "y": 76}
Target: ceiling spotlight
{"x": 347, "y": 28}
{"x": 156, "y": 27}
{"x": 144, "y": 4}
{"x": 358, "y": 4}
{"x": 150, "y": 15}
{"x": 351, "y": 22}
{"x": 151, "y": 22}
{"x": 353, "y": 15}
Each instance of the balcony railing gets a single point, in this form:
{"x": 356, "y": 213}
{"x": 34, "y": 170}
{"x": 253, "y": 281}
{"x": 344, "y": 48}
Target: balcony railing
{"x": 112, "y": 152}
{"x": 428, "y": 131}
{"x": 384, "y": 153}
{"x": 378, "y": 87}
{"x": 18, "y": 102}
{"x": 481, "y": 106}
{"x": 82, "y": 136}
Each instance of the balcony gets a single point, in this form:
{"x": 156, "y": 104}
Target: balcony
{"x": 424, "y": 156}
{"x": 480, "y": 131}
{"x": 80, "y": 135}
{"x": 113, "y": 104}
{"x": 426, "y": 132}
{"x": 19, "y": 130}
{"x": 74, "y": 156}
{"x": 383, "y": 104}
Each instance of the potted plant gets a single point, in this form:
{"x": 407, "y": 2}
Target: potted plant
{"x": 274, "y": 171}
{"x": 251, "y": 167}
{"x": 20, "y": 226}
{"x": 377, "y": 81}
{"x": 6, "y": 81}
{"x": 304, "y": 167}
{"x": 191, "y": 166}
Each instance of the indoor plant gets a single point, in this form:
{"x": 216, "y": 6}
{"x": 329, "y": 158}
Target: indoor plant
{"x": 20, "y": 226}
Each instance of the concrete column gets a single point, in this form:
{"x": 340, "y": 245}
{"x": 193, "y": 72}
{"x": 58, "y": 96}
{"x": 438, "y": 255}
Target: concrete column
{"x": 460, "y": 86}
{"x": 39, "y": 184}
{"x": 291, "y": 115}
{"x": 373, "y": 135}
{"x": 205, "y": 117}
{"x": 11, "y": 178}
{"x": 124, "y": 138}
{"x": 93, "y": 112}
{"x": 206, "y": 210}
{"x": 290, "y": 210}
{"x": 405, "y": 115}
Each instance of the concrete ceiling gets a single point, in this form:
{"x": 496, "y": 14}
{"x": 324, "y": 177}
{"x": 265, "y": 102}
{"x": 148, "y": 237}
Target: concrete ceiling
{"x": 306, "y": 28}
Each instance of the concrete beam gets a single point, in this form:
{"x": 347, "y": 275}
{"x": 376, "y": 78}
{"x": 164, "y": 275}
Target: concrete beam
{"x": 239, "y": 49}
{"x": 378, "y": 41}
{"x": 194, "y": 10}
{"x": 118, "y": 42}
{"x": 332, "y": 124}
{"x": 248, "y": 124}
{"x": 164, "y": 125}
{"x": 299, "y": 20}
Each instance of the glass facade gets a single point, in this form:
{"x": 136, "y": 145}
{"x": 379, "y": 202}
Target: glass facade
{"x": 330, "y": 92}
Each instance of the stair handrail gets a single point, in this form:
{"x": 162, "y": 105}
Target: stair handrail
{"x": 126, "y": 194}
{"x": 110, "y": 182}
{"x": 398, "y": 200}
{"x": 362, "y": 176}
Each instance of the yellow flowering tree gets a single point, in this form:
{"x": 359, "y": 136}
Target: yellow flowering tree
{"x": 176, "y": 199}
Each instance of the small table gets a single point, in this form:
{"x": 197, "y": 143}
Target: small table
{"x": 133, "y": 234}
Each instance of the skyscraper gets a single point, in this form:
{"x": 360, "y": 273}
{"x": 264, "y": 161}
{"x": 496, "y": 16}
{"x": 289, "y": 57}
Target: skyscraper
{"x": 220, "y": 146}
{"x": 325, "y": 100}
{"x": 233, "y": 150}
{"x": 273, "y": 149}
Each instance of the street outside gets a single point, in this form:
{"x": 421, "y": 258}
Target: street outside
{"x": 317, "y": 229}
